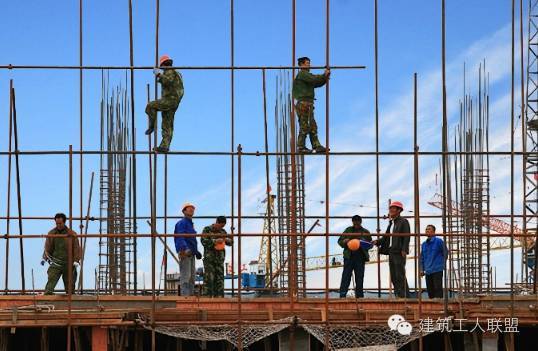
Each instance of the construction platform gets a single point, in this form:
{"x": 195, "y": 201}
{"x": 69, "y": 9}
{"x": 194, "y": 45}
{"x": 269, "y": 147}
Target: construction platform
{"x": 100, "y": 317}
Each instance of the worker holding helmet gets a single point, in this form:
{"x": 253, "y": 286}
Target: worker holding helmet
{"x": 172, "y": 92}
{"x": 187, "y": 248}
{"x": 356, "y": 242}
{"x": 396, "y": 247}
{"x": 214, "y": 239}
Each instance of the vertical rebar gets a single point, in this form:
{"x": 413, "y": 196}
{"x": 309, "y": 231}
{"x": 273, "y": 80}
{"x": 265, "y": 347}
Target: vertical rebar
{"x": 292, "y": 258}
{"x": 267, "y": 189}
{"x": 512, "y": 106}
{"x": 69, "y": 241}
{"x": 81, "y": 126}
{"x": 376, "y": 85}
{"x": 18, "y": 178}
{"x": 239, "y": 231}
{"x": 327, "y": 171}
{"x": 8, "y": 201}
{"x": 444, "y": 141}
{"x": 416, "y": 209}
{"x": 133, "y": 146}
{"x": 232, "y": 139}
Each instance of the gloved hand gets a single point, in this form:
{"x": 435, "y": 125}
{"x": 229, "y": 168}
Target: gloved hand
{"x": 76, "y": 264}
{"x": 42, "y": 262}
{"x": 198, "y": 256}
{"x": 157, "y": 71}
{"x": 228, "y": 241}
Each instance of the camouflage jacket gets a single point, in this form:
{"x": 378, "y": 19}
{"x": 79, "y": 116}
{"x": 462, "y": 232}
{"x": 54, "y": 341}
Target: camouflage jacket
{"x": 304, "y": 84}
{"x": 209, "y": 243}
{"x": 172, "y": 85}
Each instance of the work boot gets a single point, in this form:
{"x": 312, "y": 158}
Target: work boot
{"x": 160, "y": 149}
{"x": 304, "y": 150}
{"x": 320, "y": 149}
{"x": 149, "y": 131}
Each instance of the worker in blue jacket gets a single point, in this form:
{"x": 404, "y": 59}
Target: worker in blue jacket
{"x": 187, "y": 249}
{"x": 433, "y": 255}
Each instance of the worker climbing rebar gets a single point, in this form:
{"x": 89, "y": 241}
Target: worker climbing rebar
{"x": 303, "y": 92}
{"x": 172, "y": 93}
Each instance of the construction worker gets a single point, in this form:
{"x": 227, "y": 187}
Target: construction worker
{"x": 57, "y": 252}
{"x": 303, "y": 93}
{"x": 396, "y": 247}
{"x": 354, "y": 260}
{"x": 214, "y": 253}
{"x": 433, "y": 255}
{"x": 187, "y": 248}
{"x": 172, "y": 92}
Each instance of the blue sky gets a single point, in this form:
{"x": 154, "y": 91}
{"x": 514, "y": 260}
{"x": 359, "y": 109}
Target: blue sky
{"x": 197, "y": 33}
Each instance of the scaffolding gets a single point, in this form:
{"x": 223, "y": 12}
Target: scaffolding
{"x": 118, "y": 213}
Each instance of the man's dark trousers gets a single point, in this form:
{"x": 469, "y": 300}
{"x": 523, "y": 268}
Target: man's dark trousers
{"x": 397, "y": 274}
{"x": 353, "y": 264}
{"x": 434, "y": 284}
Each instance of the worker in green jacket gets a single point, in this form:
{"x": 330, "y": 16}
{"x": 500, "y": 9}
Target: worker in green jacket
{"x": 172, "y": 93}
{"x": 354, "y": 261}
{"x": 214, "y": 239}
{"x": 303, "y": 93}
{"x": 59, "y": 251}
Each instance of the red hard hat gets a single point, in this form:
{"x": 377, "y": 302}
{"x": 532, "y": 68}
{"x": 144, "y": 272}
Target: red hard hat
{"x": 396, "y": 204}
{"x": 163, "y": 59}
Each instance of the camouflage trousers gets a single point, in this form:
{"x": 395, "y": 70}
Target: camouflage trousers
{"x": 307, "y": 124}
{"x": 213, "y": 277}
{"x": 54, "y": 273}
{"x": 168, "y": 109}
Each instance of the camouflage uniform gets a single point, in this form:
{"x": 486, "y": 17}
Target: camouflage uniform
{"x": 303, "y": 92}
{"x": 56, "y": 253}
{"x": 214, "y": 262}
{"x": 172, "y": 92}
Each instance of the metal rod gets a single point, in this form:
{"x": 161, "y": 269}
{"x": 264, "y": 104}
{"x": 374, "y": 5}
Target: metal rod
{"x": 327, "y": 172}
{"x": 69, "y": 241}
{"x": 132, "y": 67}
{"x": 376, "y": 87}
{"x": 232, "y": 131}
{"x": 133, "y": 146}
{"x": 512, "y": 106}
{"x": 18, "y": 178}
{"x": 416, "y": 209}
{"x": 80, "y": 280}
{"x": 239, "y": 230}
{"x": 267, "y": 185}
{"x": 8, "y": 201}
{"x": 444, "y": 140}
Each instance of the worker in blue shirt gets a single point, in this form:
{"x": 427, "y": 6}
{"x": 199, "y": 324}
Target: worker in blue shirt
{"x": 433, "y": 255}
{"x": 187, "y": 248}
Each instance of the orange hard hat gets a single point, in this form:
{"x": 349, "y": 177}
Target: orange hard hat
{"x": 396, "y": 204}
{"x": 354, "y": 244}
{"x": 187, "y": 204}
{"x": 220, "y": 246}
{"x": 163, "y": 59}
